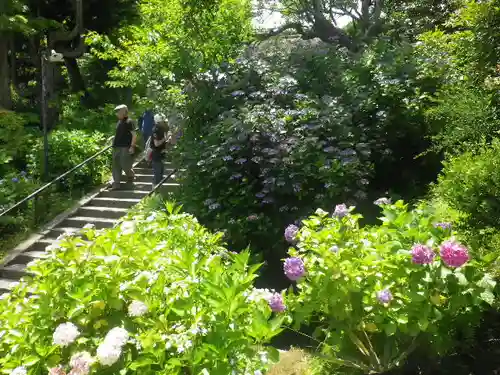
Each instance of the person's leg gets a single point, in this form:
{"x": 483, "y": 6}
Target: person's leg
{"x": 127, "y": 162}
{"x": 116, "y": 167}
{"x": 157, "y": 171}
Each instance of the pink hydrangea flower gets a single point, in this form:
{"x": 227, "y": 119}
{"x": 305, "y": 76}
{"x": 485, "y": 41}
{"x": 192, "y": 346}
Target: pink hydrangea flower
{"x": 454, "y": 254}
{"x": 422, "y": 254}
{"x": 276, "y": 303}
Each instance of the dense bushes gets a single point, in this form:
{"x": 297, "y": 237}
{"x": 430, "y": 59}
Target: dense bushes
{"x": 68, "y": 148}
{"x": 271, "y": 154}
{"x": 470, "y": 183}
{"x": 157, "y": 295}
{"x": 379, "y": 292}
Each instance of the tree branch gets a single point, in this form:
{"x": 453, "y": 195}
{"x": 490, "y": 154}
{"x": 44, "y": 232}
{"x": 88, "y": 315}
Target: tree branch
{"x": 299, "y": 29}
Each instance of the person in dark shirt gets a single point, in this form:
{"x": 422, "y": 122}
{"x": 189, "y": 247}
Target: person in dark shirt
{"x": 123, "y": 146}
{"x": 158, "y": 143}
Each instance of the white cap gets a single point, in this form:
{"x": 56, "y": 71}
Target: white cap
{"x": 158, "y": 118}
{"x": 121, "y": 106}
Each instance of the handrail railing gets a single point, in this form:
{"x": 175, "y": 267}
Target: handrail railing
{"x": 58, "y": 178}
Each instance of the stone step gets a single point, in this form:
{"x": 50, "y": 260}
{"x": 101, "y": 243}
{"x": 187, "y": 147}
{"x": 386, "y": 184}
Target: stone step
{"x": 13, "y": 271}
{"x": 113, "y": 202}
{"x": 41, "y": 244}
{"x": 29, "y": 256}
{"x": 143, "y": 177}
{"x": 7, "y": 285}
{"x": 81, "y": 221}
{"x": 169, "y": 187}
{"x": 120, "y": 194}
{"x": 56, "y": 232}
{"x": 101, "y": 212}
{"x": 137, "y": 185}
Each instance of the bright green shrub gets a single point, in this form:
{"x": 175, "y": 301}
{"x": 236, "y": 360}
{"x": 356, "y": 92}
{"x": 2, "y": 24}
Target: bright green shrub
{"x": 375, "y": 293}
{"x": 470, "y": 183}
{"x": 187, "y": 304}
{"x": 12, "y": 137}
{"x": 68, "y": 148}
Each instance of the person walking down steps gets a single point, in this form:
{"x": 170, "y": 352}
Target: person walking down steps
{"x": 123, "y": 147}
{"x": 157, "y": 144}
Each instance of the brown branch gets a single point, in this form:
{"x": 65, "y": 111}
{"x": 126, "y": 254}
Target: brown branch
{"x": 299, "y": 29}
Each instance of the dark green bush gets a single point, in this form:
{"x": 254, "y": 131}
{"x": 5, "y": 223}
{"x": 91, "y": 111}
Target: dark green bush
{"x": 470, "y": 183}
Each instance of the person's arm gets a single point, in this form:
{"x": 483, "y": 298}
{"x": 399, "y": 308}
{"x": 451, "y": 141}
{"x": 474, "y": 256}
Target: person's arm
{"x": 134, "y": 137}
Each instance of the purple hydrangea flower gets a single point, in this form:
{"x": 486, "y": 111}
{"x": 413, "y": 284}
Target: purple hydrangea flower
{"x": 236, "y": 176}
{"x": 341, "y": 210}
{"x": 227, "y": 158}
{"x": 23, "y": 173}
{"x": 422, "y": 254}
{"x": 276, "y": 303}
{"x": 443, "y": 226}
{"x": 384, "y": 296}
{"x": 294, "y": 268}
{"x": 15, "y": 180}
{"x": 382, "y": 201}
{"x": 260, "y": 195}
{"x": 291, "y": 232}
{"x": 214, "y": 206}
{"x": 235, "y": 148}
{"x": 241, "y": 161}
{"x": 454, "y": 254}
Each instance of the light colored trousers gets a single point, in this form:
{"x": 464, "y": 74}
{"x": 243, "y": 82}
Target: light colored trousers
{"x": 122, "y": 161}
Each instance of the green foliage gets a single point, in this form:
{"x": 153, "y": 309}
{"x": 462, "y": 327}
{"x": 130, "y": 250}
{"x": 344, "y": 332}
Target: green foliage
{"x": 174, "y": 41}
{"x": 74, "y": 117}
{"x": 13, "y": 138}
{"x": 258, "y": 156}
{"x": 470, "y": 183}
{"x": 69, "y": 148}
{"x": 184, "y": 300}
{"x": 372, "y": 302}
{"x": 463, "y": 118}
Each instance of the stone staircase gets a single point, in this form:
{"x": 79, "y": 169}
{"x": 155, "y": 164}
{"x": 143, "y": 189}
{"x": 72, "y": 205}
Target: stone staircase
{"x": 103, "y": 210}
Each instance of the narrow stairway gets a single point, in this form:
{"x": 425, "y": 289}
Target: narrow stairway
{"x": 104, "y": 210}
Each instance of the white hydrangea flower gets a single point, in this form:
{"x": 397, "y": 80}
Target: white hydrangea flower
{"x": 108, "y": 354}
{"x": 116, "y": 337}
{"x": 137, "y": 308}
{"x": 128, "y": 227}
{"x": 65, "y": 334}
{"x": 81, "y": 362}
{"x": 21, "y": 370}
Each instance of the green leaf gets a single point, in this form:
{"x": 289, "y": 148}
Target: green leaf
{"x": 488, "y": 297}
{"x": 390, "y": 329}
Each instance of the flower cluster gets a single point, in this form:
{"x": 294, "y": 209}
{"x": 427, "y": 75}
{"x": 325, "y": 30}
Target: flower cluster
{"x": 454, "y": 254}
{"x": 110, "y": 350}
{"x": 137, "y": 308}
{"x": 294, "y": 268}
{"x": 291, "y": 232}
{"x": 65, "y": 334}
{"x": 422, "y": 254}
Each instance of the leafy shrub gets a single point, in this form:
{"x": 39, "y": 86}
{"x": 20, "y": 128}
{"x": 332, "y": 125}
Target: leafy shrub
{"x": 377, "y": 292}
{"x": 68, "y": 148}
{"x": 470, "y": 183}
{"x": 157, "y": 295}
{"x": 270, "y": 154}
{"x": 12, "y": 137}
{"x": 13, "y": 188}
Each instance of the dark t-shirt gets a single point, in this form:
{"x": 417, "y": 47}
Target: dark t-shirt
{"x": 123, "y": 134}
{"x": 158, "y": 134}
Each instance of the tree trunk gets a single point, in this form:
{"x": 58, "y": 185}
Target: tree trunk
{"x": 75, "y": 76}
{"x": 5, "y": 94}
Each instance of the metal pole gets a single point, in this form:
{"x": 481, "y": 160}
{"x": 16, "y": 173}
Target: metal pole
{"x": 45, "y": 116}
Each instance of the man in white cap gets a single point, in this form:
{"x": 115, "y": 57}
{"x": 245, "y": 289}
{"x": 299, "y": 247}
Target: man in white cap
{"x": 123, "y": 146}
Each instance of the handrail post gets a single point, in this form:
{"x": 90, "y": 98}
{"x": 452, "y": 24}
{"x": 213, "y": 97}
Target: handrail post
{"x": 45, "y": 117}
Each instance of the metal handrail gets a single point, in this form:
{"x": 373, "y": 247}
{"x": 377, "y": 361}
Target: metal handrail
{"x": 58, "y": 178}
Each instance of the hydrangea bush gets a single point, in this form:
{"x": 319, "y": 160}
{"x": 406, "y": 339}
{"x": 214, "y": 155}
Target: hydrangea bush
{"x": 158, "y": 295}
{"x": 270, "y": 153}
{"x": 374, "y": 293}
